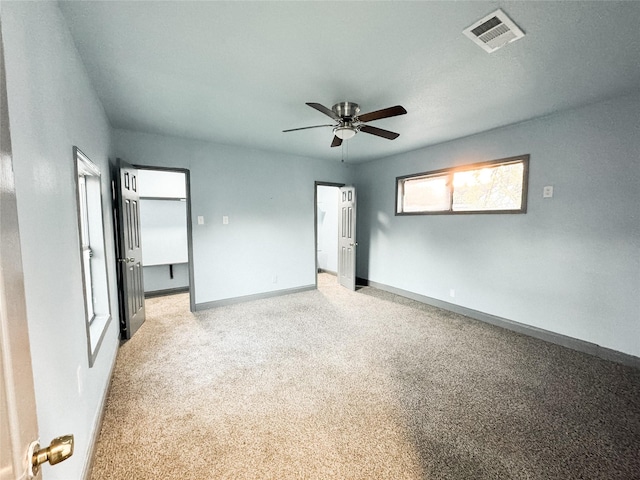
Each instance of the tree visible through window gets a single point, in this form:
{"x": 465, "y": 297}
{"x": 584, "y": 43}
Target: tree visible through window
{"x": 499, "y": 186}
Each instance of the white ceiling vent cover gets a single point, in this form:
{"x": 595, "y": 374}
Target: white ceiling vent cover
{"x": 494, "y": 31}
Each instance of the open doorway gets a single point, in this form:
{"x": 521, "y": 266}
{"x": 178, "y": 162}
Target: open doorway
{"x": 165, "y": 231}
{"x": 327, "y": 197}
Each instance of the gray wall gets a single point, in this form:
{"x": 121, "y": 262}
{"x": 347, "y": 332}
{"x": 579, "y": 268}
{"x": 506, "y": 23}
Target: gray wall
{"x": 268, "y": 244}
{"x": 158, "y": 278}
{"x": 52, "y": 107}
{"x": 163, "y": 232}
{"x": 570, "y": 265}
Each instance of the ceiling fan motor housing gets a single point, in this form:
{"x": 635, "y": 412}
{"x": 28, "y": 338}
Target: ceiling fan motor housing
{"x": 346, "y": 110}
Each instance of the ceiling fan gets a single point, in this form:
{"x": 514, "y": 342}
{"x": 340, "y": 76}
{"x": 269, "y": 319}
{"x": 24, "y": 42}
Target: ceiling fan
{"x": 349, "y": 121}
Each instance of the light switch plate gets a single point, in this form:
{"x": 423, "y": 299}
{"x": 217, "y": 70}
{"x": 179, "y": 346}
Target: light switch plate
{"x": 200, "y": 220}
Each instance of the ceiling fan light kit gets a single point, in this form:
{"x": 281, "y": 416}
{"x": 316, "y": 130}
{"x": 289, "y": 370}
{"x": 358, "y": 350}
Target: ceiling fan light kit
{"x": 345, "y": 132}
{"x": 349, "y": 121}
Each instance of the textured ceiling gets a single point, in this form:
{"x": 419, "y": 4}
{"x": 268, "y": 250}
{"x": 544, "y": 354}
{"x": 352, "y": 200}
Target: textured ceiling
{"x": 239, "y": 73}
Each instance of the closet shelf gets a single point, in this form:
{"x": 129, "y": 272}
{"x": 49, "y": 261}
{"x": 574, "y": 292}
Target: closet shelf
{"x": 179, "y": 199}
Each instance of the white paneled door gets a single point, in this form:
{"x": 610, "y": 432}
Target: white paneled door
{"x": 20, "y": 452}
{"x": 18, "y": 424}
{"x": 347, "y": 237}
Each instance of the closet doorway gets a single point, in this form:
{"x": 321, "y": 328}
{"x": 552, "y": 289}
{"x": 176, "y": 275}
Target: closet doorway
{"x": 327, "y": 197}
{"x": 165, "y": 231}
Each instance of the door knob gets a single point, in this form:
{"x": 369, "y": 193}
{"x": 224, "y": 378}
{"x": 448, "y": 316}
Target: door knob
{"x": 127, "y": 260}
{"x": 59, "y": 450}
{"x": 353, "y": 244}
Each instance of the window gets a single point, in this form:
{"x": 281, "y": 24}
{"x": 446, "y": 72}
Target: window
{"x": 499, "y": 186}
{"x": 92, "y": 252}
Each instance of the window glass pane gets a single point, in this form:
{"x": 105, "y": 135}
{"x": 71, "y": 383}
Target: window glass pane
{"x": 84, "y": 215}
{"x": 489, "y": 188}
{"x": 88, "y": 285}
{"x": 426, "y": 194}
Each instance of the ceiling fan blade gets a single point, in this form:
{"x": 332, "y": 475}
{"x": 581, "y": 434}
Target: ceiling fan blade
{"x": 379, "y": 132}
{"x": 336, "y": 141}
{"x": 384, "y": 113}
{"x": 306, "y": 128}
{"x": 323, "y": 109}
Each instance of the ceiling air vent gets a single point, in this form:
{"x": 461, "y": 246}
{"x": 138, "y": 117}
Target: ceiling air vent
{"x": 494, "y": 31}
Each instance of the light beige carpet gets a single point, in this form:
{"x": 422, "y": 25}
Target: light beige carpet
{"x": 359, "y": 385}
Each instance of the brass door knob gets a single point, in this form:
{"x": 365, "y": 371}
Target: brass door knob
{"x": 60, "y": 449}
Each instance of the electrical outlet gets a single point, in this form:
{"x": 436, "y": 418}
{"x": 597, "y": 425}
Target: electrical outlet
{"x": 275, "y": 279}
{"x": 547, "y": 192}
{"x": 225, "y": 220}
{"x": 452, "y": 293}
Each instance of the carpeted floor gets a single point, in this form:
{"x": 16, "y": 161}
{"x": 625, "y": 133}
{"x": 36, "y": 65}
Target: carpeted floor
{"x": 333, "y": 384}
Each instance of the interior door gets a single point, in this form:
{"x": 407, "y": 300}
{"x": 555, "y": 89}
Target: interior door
{"x": 347, "y": 238}
{"x": 127, "y": 225}
{"x": 18, "y": 424}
